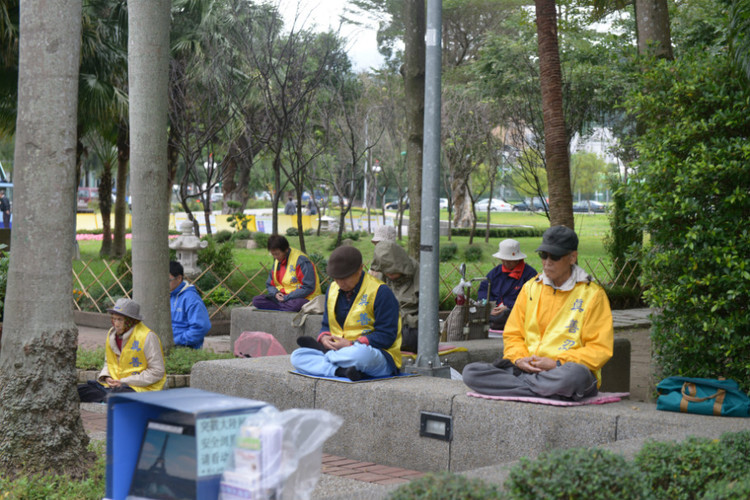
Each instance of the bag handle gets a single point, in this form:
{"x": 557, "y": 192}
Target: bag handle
{"x": 299, "y": 319}
{"x": 689, "y": 392}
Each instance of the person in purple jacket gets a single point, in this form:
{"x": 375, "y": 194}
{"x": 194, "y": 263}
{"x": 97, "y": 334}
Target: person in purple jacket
{"x": 190, "y": 322}
{"x": 505, "y": 281}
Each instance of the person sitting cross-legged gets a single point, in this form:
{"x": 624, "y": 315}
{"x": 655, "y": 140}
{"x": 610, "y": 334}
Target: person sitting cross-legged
{"x": 360, "y": 334}
{"x": 504, "y": 282}
{"x": 559, "y": 334}
{"x": 190, "y": 320}
{"x": 133, "y": 360}
{"x": 293, "y": 280}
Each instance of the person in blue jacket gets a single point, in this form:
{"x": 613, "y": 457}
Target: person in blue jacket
{"x": 505, "y": 281}
{"x": 190, "y": 322}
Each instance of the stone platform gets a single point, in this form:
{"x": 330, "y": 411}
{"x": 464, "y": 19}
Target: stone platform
{"x": 382, "y": 418}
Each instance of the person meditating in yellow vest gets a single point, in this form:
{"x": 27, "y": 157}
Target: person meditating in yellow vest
{"x": 293, "y": 280}
{"x": 360, "y": 334}
{"x": 558, "y": 335}
{"x": 134, "y": 361}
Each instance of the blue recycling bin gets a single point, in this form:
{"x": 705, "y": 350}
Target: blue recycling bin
{"x": 171, "y": 444}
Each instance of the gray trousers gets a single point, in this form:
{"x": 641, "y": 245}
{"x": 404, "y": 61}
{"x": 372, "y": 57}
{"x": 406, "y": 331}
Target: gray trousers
{"x": 571, "y": 381}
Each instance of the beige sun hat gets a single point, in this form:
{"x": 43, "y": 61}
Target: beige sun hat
{"x": 509, "y": 250}
{"x": 127, "y": 307}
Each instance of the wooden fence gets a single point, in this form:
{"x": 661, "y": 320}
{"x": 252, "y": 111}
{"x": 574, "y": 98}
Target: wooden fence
{"x": 97, "y": 284}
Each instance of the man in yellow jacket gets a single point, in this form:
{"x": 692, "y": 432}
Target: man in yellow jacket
{"x": 134, "y": 361}
{"x": 559, "y": 333}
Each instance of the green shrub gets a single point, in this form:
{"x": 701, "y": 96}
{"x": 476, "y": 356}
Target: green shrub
{"x": 242, "y": 234}
{"x": 219, "y": 256}
{"x": 500, "y": 232}
{"x": 308, "y": 232}
{"x": 60, "y": 487}
{"x": 222, "y": 236}
{"x": 292, "y": 231}
{"x": 738, "y": 489}
{"x": 220, "y": 296}
{"x": 261, "y": 239}
{"x": 625, "y": 240}
{"x": 692, "y": 197}
{"x": 448, "y": 251}
{"x": 681, "y": 471}
{"x": 207, "y": 282}
{"x": 576, "y": 473}
{"x": 87, "y": 359}
{"x": 473, "y": 253}
{"x": 351, "y": 235}
{"x": 621, "y": 297}
{"x": 445, "y": 486}
{"x": 181, "y": 359}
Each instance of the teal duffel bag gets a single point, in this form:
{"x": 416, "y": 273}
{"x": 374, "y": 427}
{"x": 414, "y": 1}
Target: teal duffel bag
{"x": 705, "y": 396}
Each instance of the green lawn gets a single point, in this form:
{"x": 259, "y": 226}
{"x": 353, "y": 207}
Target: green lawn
{"x": 253, "y": 263}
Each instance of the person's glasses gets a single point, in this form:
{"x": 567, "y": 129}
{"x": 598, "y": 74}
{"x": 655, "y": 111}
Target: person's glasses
{"x": 553, "y": 258}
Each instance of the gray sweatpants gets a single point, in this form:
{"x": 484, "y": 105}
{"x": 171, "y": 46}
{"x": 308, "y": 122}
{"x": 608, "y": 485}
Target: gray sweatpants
{"x": 571, "y": 381}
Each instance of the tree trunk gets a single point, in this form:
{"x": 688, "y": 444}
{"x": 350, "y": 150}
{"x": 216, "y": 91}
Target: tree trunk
{"x": 105, "y": 208}
{"x": 652, "y": 21}
{"x": 463, "y": 211}
{"x": 148, "y": 76}
{"x": 555, "y": 136}
{"x": 40, "y": 422}
{"x": 123, "y": 156}
{"x": 413, "y": 72}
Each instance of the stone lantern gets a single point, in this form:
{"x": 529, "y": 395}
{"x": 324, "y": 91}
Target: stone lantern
{"x": 187, "y": 246}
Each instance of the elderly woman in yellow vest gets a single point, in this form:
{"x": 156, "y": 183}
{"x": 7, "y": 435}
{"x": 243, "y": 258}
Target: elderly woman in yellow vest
{"x": 360, "y": 334}
{"x": 559, "y": 334}
{"x": 133, "y": 357}
{"x": 293, "y": 280}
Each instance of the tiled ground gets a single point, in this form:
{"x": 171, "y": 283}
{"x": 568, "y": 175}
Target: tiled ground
{"x": 96, "y": 422}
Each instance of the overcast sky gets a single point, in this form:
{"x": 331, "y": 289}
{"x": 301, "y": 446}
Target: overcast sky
{"x": 361, "y": 43}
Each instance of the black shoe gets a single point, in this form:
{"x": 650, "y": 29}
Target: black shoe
{"x": 351, "y": 373}
{"x": 311, "y": 343}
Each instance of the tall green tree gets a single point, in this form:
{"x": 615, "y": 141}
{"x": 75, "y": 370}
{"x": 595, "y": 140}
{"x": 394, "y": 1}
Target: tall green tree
{"x": 691, "y": 196}
{"x": 40, "y": 422}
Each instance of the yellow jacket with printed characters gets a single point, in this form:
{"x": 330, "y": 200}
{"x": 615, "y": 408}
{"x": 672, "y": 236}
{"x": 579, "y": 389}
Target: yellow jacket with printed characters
{"x": 361, "y": 318}
{"x": 574, "y": 325}
{"x": 299, "y": 269}
{"x": 140, "y": 364}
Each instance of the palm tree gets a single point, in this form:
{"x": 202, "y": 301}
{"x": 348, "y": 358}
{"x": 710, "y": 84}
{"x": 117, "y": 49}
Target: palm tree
{"x": 739, "y": 25}
{"x": 555, "y": 136}
{"x": 40, "y": 424}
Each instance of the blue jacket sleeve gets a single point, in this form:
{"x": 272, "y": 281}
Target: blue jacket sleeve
{"x": 198, "y": 324}
{"x": 386, "y": 319}
{"x": 307, "y": 269}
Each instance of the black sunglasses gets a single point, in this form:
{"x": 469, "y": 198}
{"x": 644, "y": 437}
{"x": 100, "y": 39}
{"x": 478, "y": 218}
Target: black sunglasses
{"x": 554, "y": 258}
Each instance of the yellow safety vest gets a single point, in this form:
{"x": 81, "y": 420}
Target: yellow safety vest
{"x": 290, "y": 281}
{"x": 564, "y": 330}
{"x": 132, "y": 359}
{"x": 361, "y": 318}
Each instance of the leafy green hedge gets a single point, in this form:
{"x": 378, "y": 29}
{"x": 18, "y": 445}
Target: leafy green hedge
{"x": 445, "y": 486}
{"x": 577, "y": 473}
{"x": 695, "y": 469}
{"x": 178, "y": 362}
{"x": 692, "y": 196}
{"x": 500, "y": 232}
